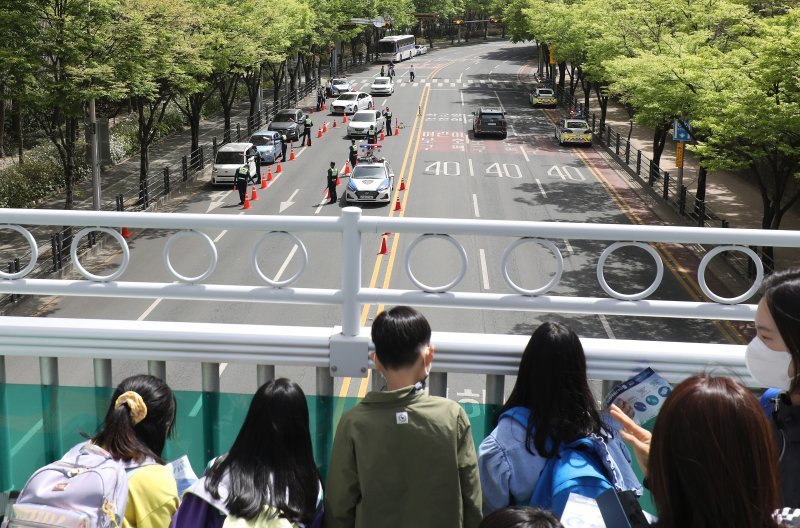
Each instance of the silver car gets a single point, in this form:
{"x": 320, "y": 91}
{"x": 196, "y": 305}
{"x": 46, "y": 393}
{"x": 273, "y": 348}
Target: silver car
{"x": 359, "y": 124}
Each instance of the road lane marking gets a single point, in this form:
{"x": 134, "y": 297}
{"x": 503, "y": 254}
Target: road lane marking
{"x": 541, "y": 187}
{"x": 471, "y": 171}
{"x": 285, "y": 264}
{"x": 149, "y": 309}
{"x": 499, "y": 101}
{"x": 219, "y": 236}
{"x": 522, "y": 148}
{"x": 606, "y": 326}
{"x": 484, "y": 270}
{"x": 462, "y": 97}
{"x": 475, "y": 205}
{"x": 569, "y": 247}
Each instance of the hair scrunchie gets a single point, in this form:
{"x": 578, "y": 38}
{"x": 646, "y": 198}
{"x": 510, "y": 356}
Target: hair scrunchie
{"x": 135, "y": 403}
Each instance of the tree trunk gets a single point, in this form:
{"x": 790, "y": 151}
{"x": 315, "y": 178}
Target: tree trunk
{"x": 144, "y": 132}
{"x": 16, "y": 117}
{"x": 562, "y": 70}
{"x": 226, "y": 85}
{"x": 70, "y": 162}
{"x": 659, "y": 140}
{"x": 603, "y": 102}
{"x": 252, "y": 80}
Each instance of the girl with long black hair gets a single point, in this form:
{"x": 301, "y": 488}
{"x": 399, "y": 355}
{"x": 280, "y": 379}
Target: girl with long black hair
{"x": 268, "y": 479}
{"x": 550, "y": 409}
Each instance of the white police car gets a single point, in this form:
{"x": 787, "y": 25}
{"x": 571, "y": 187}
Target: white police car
{"x": 351, "y": 102}
{"x": 372, "y": 180}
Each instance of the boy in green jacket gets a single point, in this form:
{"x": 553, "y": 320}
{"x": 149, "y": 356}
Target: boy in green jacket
{"x": 402, "y": 458}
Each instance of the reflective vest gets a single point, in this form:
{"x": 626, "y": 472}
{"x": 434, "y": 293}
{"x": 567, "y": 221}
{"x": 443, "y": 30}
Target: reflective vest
{"x": 353, "y": 149}
{"x": 308, "y": 122}
{"x": 389, "y": 117}
{"x": 332, "y": 174}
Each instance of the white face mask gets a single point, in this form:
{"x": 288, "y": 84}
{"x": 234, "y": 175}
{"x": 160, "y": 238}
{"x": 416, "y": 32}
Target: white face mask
{"x": 769, "y": 367}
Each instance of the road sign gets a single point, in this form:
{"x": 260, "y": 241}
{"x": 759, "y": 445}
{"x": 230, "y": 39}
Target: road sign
{"x": 679, "y": 154}
{"x": 378, "y": 21}
{"x": 681, "y": 132}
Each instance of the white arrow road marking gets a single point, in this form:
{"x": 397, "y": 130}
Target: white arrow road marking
{"x": 288, "y": 203}
{"x": 213, "y": 205}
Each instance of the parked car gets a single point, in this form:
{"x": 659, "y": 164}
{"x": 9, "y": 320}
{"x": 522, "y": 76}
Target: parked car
{"x": 573, "y": 131}
{"x": 490, "y": 121}
{"x": 543, "y": 97}
{"x": 268, "y": 143}
{"x": 351, "y": 102}
{"x": 420, "y": 49}
{"x": 372, "y": 180}
{"x": 290, "y": 122}
{"x": 359, "y": 124}
{"x": 337, "y": 86}
{"x": 382, "y": 86}
{"x": 229, "y": 158}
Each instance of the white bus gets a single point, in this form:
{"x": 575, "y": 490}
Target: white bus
{"x": 396, "y": 48}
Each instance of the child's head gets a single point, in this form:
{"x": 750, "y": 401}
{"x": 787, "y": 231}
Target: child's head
{"x": 139, "y": 419}
{"x": 400, "y": 336}
{"x": 520, "y": 517}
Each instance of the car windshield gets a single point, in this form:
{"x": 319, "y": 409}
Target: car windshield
{"x": 284, "y": 116}
{"x": 577, "y": 124}
{"x": 229, "y": 158}
{"x": 381, "y": 81}
{"x": 545, "y": 92}
{"x": 362, "y": 172}
{"x": 347, "y": 97}
{"x": 364, "y": 117}
{"x": 491, "y": 117}
{"x": 339, "y": 82}
{"x": 261, "y": 141}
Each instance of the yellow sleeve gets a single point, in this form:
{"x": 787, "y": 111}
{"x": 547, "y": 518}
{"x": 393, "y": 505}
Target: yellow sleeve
{"x": 152, "y": 498}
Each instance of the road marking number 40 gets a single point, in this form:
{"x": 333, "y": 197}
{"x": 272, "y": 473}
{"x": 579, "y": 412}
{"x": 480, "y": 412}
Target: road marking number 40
{"x": 566, "y": 174}
{"x": 453, "y": 168}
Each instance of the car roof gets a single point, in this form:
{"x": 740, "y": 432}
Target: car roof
{"x": 490, "y": 110}
{"x": 378, "y": 162}
{"x": 235, "y": 147}
{"x": 265, "y": 133}
{"x": 576, "y": 120}
{"x": 350, "y": 92}
{"x": 387, "y": 78}
{"x": 372, "y": 112}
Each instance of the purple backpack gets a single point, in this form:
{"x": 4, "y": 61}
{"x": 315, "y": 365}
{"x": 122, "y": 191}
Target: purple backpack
{"x": 87, "y": 488}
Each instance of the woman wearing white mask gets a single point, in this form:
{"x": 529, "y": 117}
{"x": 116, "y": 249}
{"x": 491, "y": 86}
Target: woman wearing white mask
{"x": 773, "y": 357}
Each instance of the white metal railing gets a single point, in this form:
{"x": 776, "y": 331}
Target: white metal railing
{"x": 343, "y": 350}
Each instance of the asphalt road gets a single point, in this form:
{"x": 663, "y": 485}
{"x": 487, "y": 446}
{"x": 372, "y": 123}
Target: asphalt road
{"x": 448, "y": 174}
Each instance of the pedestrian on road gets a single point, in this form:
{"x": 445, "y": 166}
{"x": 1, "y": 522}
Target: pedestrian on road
{"x": 383, "y": 72}
{"x": 242, "y": 179}
{"x": 372, "y": 135}
{"x": 320, "y": 98}
{"x": 333, "y": 174}
{"x": 411, "y": 73}
{"x": 257, "y": 157}
{"x": 306, "y": 138}
{"x": 391, "y": 69}
{"x": 387, "y": 114}
{"x": 353, "y": 153}
{"x": 284, "y": 146}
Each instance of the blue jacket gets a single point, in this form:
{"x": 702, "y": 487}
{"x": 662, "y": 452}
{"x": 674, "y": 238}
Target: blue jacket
{"x": 509, "y": 473}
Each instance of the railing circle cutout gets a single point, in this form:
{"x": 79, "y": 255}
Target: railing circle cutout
{"x": 34, "y": 252}
{"x": 633, "y": 296}
{"x": 536, "y": 291}
{"x": 303, "y": 262}
{"x": 701, "y": 274}
{"x": 437, "y": 289}
{"x": 126, "y": 254}
{"x": 191, "y": 233}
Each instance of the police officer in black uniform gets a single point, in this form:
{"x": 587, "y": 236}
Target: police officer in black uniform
{"x": 242, "y": 179}
{"x": 372, "y": 135}
{"x": 388, "y": 115}
{"x": 333, "y": 174}
{"x": 353, "y": 153}
{"x": 306, "y": 138}
{"x": 284, "y": 146}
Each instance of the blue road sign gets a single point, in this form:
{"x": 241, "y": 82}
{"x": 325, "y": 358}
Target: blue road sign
{"x": 681, "y": 132}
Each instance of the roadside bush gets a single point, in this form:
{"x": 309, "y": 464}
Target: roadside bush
{"x": 124, "y": 138}
{"x": 39, "y": 177}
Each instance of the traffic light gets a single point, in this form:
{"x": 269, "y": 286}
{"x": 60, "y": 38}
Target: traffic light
{"x": 458, "y": 22}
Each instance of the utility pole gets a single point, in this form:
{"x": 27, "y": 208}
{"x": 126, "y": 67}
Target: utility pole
{"x": 95, "y": 149}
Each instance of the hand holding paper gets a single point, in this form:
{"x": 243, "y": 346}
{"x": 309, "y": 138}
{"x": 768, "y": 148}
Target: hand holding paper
{"x": 635, "y": 436}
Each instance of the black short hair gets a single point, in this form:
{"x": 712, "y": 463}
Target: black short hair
{"x": 521, "y": 517}
{"x": 399, "y": 334}
{"x": 333, "y": 163}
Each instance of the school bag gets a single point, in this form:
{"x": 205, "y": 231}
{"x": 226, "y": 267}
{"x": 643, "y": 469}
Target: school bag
{"x": 87, "y": 488}
{"x": 577, "y": 469}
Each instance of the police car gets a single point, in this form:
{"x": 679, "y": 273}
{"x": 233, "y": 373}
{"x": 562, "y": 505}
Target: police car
{"x": 351, "y": 102}
{"x": 543, "y": 97}
{"x": 573, "y": 131}
{"x": 372, "y": 179}
{"x": 338, "y": 85}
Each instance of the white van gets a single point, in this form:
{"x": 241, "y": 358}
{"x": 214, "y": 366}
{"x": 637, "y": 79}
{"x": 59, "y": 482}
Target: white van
{"x": 229, "y": 158}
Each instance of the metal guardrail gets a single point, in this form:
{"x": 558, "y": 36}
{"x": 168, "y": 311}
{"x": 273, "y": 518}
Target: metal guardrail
{"x": 343, "y": 351}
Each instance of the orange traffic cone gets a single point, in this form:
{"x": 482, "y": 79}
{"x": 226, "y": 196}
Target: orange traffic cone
{"x": 324, "y": 127}
{"x": 347, "y": 167}
{"x": 396, "y": 127}
{"x": 246, "y": 203}
{"x": 383, "y": 137}
{"x": 263, "y": 183}
{"x": 384, "y": 250}
{"x": 309, "y": 141}
{"x": 334, "y": 124}
{"x": 280, "y": 169}
{"x": 388, "y": 233}
{"x": 338, "y": 182}
{"x": 291, "y": 154}
{"x": 319, "y": 133}
{"x": 344, "y": 119}
{"x": 402, "y": 184}
{"x": 126, "y": 233}
{"x": 397, "y": 206}
{"x": 311, "y": 110}
{"x": 323, "y": 106}
{"x": 269, "y": 175}
{"x": 254, "y": 195}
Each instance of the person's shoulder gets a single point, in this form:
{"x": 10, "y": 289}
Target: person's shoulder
{"x": 151, "y": 473}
